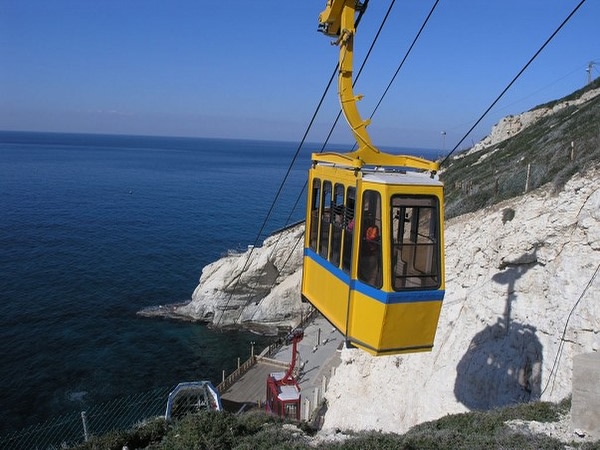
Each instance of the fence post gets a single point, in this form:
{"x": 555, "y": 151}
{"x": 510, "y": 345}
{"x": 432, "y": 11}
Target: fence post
{"x": 86, "y": 435}
{"x": 527, "y": 179}
{"x": 572, "y": 150}
{"x": 307, "y": 410}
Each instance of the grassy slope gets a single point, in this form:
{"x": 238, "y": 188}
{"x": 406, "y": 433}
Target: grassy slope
{"x": 545, "y": 145}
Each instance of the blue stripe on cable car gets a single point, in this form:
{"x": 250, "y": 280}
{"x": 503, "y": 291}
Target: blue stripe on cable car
{"x": 407, "y": 296}
{"x": 335, "y": 271}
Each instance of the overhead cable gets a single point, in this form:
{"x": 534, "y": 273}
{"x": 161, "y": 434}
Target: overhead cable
{"x": 280, "y": 189}
{"x": 564, "y": 333}
{"x": 405, "y": 57}
{"x": 514, "y": 79}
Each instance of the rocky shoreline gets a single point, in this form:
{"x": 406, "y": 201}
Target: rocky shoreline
{"x": 257, "y": 290}
{"x": 173, "y": 311}
{"x": 168, "y": 311}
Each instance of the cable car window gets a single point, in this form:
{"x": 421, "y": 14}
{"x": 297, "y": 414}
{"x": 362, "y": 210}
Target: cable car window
{"x": 415, "y": 242}
{"x": 369, "y": 263}
{"x": 337, "y": 224}
{"x": 349, "y": 228}
{"x": 314, "y": 213}
{"x": 325, "y": 219}
{"x": 291, "y": 411}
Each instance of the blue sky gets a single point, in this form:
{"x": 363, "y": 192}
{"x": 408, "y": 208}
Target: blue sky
{"x": 257, "y": 69}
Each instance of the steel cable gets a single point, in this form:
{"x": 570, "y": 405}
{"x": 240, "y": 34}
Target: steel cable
{"x": 296, "y": 154}
{"x": 514, "y": 80}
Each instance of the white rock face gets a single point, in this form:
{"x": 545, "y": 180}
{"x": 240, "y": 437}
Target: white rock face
{"x": 519, "y": 274}
{"x": 509, "y": 126}
{"x": 266, "y": 295}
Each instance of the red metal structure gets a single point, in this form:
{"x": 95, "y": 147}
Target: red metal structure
{"x": 283, "y": 391}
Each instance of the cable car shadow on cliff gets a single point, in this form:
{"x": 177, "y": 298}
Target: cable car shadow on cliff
{"x": 503, "y": 364}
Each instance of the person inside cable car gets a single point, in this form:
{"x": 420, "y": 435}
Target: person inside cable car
{"x": 370, "y": 254}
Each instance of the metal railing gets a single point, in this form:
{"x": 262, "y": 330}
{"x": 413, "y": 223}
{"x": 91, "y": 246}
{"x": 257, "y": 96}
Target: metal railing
{"x": 236, "y": 374}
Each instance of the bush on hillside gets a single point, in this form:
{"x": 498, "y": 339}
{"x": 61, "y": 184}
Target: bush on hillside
{"x": 258, "y": 430}
{"x": 548, "y": 152}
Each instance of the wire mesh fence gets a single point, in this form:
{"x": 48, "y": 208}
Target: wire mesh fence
{"x": 77, "y": 427}
{"x": 120, "y": 414}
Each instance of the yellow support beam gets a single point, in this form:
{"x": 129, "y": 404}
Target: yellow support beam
{"x": 337, "y": 20}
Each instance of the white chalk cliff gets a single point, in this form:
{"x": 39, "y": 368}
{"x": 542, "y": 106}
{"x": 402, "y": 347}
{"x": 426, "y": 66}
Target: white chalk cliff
{"x": 519, "y": 275}
{"x": 510, "y": 126}
{"x": 258, "y": 289}
{"x": 522, "y": 298}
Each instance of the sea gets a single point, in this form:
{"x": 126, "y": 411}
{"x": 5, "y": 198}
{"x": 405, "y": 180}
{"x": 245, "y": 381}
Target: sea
{"x": 94, "y": 228}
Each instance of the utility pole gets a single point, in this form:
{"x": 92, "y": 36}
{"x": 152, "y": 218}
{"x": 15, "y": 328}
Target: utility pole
{"x": 590, "y": 66}
{"x": 443, "y": 142}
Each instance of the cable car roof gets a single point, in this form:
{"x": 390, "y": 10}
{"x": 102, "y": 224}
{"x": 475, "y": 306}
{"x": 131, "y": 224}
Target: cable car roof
{"x": 405, "y": 177}
{"x": 288, "y": 392}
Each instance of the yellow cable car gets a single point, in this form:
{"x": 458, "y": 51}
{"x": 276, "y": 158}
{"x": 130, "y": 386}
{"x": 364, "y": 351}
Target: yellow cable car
{"x": 373, "y": 251}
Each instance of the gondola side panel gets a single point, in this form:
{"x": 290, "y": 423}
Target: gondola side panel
{"x": 324, "y": 284}
{"x": 387, "y": 321}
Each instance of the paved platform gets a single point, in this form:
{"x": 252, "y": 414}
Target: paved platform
{"x": 318, "y": 353}
{"x": 252, "y": 386}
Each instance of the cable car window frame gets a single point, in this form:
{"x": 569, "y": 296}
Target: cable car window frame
{"x": 314, "y": 214}
{"x": 337, "y": 224}
{"x": 349, "y": 214}
{"x": 370, "y": 267}
{"x": 290, "y": 410}
{"x": 415, "y": 242}
{"x": 325, "y": 218}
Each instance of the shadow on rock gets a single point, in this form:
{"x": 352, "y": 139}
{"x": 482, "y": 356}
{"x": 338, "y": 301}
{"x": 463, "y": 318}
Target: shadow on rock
{"x": 500, "y": 368}
{"x": 503, "y": 364}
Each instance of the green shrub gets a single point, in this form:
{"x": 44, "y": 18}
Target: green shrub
{"x": 139, "y": 437}
{"x": 256, "y": 430}
{"x": 206, "y": 430}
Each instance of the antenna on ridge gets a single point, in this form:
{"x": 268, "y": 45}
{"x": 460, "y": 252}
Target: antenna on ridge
{"x": 590, "y": 66}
